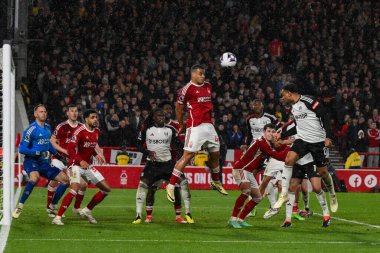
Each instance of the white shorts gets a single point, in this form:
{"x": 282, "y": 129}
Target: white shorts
{"x": 91, "y": 175}
{"x": 245, "y": 176}
{"x": 204, "y": 134}
{"x": 58, "y": 164}
{"x": 273, "y": 167}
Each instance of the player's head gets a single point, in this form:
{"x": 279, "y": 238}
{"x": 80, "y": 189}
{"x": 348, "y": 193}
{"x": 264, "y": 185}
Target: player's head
{"x": 72, "y": 112}
{"x": 91, "y": 118}
{"x": 269, "y": 130}
{"x": 289, "y": 93}
{"x": 155, "y": 118}
{"x": 198, "y": 74}
{"x": 257, "y": 106}
{"x": 40, "y": 113}
{"x": 158, "y": 117}
{"x": 167, "y": 108}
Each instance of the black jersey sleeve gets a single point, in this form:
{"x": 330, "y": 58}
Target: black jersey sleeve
{"x": 318, "y": 108}
{"x": 141, "y": 145}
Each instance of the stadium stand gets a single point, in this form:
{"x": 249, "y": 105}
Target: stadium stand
{"x": 124, "y": 57}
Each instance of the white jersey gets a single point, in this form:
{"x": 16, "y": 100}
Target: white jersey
{"x": 158, "y": 140}
{"x": 256, "y": 125}
{"x": 309, "y": 125}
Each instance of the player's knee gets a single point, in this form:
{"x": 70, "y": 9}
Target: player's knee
{"x": 246, "y": 191}
{"x": 142, "y": 184}
{"x": 257, "y": 199}
{"x": 290, "y": 161}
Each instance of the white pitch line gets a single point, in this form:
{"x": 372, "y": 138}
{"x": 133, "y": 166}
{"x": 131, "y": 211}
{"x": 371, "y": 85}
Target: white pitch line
{"x": 194, "y": 241}
{"x": 350, "y": 221}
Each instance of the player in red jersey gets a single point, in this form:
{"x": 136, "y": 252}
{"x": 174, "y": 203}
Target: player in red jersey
{"x": 81, "y": 149}
{"x": 242, "y": 172}
{"x": 196, "y": 96}
{"x": 60, "y": 140}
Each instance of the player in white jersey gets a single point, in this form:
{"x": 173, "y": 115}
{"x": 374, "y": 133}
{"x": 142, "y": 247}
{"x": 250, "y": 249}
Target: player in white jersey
{"x": 313, "y": 129}
{"x": 157, "y": 139}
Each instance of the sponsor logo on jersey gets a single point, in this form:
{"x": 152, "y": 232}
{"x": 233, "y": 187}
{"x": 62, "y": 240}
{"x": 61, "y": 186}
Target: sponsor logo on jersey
{"x": 89, "y": 144}
{"x": 301, "y": 116}
{"x": 43, "y": 141}
{"x": 162, "y": 141}
{"x": 204, "y": 99}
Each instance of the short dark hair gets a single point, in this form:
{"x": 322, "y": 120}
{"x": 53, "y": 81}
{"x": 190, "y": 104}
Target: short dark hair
{"x": 88, "y": 112}
{"x": 196, "y": 66}
{"x": 72, "y": 106}
{"x": 291, "y": 87}
{"x": 270, "y": 125}
{"x": 38, "y": 106}
{"x": 165, "y": 102}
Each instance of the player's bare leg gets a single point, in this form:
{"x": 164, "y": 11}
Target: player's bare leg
{"x": 290, "y": 160}
{"x": 215, "y": 172}
{"x": 327, "y": 179}
{"x": 177, "y": 174}
{"x": 305, "y": 197}
{"x": 104, "y": 190}
{"x": 295, "y": 213}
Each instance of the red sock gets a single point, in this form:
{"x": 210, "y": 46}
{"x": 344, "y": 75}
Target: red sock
{"x": 215, "y": 174}
{"x": 149, "y": 210}
{"x": 79, "y": 199}
{"x": 50, "y": 195}
{"x": 239, "y": 203}
{"x": 98, "y": 197}
{"x": 178, "y": 210}
{"x": 247, "y": 209}
{"x": 295, "y": 207}
{"x": 176, "y": 177}
{"x": 66, "y": 202}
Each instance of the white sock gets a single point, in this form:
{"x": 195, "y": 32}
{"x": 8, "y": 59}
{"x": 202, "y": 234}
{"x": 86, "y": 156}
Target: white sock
{"x": 140, "y": 197}
{"x": 289, "y": 206}
{"x": 185, "y": 193}
{"x": 286, "y": 176}
{"x": 321, "y": 196}
{"x": 305, "y": 198}
{"x": 272, "y": 192}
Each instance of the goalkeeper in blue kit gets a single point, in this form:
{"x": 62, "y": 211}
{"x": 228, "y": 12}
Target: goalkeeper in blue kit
{"x": 36, "y": 148}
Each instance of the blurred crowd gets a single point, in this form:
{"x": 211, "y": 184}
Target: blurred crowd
{"x": 124, "y": 57}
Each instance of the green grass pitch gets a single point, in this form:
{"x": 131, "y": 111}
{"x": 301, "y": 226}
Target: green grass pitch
{"x": 33, "y": 232}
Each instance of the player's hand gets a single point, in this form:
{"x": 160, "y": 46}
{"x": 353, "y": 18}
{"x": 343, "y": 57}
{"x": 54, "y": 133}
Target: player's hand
{"x": 328, "y": 143}
{"x": 44, "y": 154}
{"x": 152, "y": 156}
{"x": 100, "y": 158}
{"x": 243, "y": 147}
{"x": 84, "y": 165}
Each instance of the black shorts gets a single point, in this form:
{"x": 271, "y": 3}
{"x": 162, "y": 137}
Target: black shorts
{"x": 154, "y": 171}
{"x": 306, "y": 171}
{"x": 317, "y": 150}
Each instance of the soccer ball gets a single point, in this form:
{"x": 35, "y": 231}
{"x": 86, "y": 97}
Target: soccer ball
{"x": 228, "y": 60}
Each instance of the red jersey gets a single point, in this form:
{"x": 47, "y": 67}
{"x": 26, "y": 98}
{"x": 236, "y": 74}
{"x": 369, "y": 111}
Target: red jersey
{"x": 180, "y": 136}
{"x": 256, "y": 153}
{"x": 63, "y": 133}
{"x": 197, "y": 99}
{"x": 373, "y": 138}
{"x": 82, "y": 145}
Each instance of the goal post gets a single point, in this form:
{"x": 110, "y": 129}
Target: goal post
{"x": 7, "y": 182}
